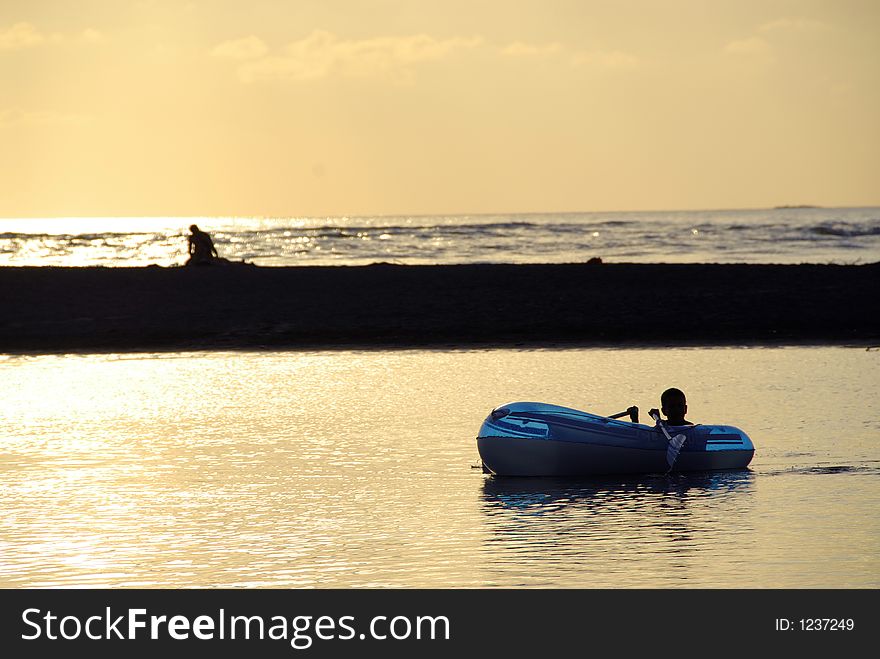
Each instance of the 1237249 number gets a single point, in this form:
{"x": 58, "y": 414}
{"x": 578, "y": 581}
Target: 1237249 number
{"x": 815, "y": 624}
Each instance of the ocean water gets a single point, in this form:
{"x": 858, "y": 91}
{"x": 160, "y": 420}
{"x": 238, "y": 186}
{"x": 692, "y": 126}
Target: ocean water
{"x": 357, "y": 469}
{"x": 783, "y": 235}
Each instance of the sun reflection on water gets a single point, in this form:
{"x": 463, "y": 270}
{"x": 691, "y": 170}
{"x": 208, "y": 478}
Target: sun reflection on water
{"x": 354, "y": 469}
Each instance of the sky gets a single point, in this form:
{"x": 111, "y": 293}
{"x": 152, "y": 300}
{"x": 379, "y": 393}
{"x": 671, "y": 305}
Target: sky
{"x": 328, "y": 107}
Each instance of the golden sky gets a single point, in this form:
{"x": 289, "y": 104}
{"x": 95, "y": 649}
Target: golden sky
{"x": 332, "y": 107}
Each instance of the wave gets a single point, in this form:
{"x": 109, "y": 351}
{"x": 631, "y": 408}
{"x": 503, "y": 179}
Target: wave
{"x": 656, "y": 228}
{"x": 845, "y": 230}
{"x": 754, "y": 228}
{"x": 87, "y": 237}
{"x": 743, "y": 236}
{"x": 824, "y": 470}
{"x": 476, "y": 231}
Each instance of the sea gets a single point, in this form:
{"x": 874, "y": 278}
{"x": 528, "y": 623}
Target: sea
{"x": 360, "y": 469}
{"x": 779, "y": 235}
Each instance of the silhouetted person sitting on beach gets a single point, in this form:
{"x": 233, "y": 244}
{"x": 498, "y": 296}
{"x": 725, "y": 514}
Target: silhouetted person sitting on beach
{"x": 201, "y": 247}
{"x": 674, "y": 405}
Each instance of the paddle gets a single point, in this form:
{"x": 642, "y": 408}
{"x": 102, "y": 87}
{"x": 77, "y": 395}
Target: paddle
{"x": 632, "y": 412}
{"x": 675, "y": 443}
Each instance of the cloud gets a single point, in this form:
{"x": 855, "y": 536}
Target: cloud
{"x": 794, "y": 25}
{"x": 18, "y": 117}
{"x": 596, "y": 59}
{"x": 20, "y": 36}
{"x": 520, "y": 49}
{"x": 323, "y": 54}
{"x": 90, "y": 35}
{"x": 604, "y": 59}
{"x": 748, "y": 46}
{"x": 759, "y": 43}
{"x": 241, "y": 49}
{"x": 24, "y": 35}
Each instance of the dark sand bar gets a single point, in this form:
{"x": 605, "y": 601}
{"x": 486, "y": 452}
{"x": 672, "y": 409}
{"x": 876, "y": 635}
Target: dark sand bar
{"x": 240, "y": 306}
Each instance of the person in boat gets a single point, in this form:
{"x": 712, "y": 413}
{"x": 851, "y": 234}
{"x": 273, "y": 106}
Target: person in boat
{"x": 673, "y": 404}
{"x": 200, "y": 247}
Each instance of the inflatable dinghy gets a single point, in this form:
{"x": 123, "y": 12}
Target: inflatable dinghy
{"x": 537, "y": 439}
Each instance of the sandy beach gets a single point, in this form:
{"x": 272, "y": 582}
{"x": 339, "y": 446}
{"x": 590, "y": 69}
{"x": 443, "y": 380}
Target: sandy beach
{"x": 122, "y": 309}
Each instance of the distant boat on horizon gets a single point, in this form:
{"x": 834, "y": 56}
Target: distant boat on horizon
{"x": 781, "y": 208}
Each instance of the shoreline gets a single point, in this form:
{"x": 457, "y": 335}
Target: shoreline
{"x": 461, "y": 346}
{"x": 476, "y": 306}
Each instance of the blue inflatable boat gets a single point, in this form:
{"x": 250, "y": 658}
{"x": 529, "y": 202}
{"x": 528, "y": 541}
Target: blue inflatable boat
{"x": 536, "y": 439}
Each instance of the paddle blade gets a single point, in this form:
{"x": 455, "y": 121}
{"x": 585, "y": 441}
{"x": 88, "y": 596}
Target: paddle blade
{"x": 673, "y": 449}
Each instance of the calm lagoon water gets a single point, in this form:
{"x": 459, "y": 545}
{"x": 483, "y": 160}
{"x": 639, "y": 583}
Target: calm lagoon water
{"x": 357, "y": 469}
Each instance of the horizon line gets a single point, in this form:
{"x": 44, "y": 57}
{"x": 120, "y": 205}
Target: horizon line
{"x": 439, "y": 214}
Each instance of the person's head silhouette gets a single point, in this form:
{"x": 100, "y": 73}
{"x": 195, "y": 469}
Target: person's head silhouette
{"x": 674, "y": 405}
{"x": 200, "y": 247}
